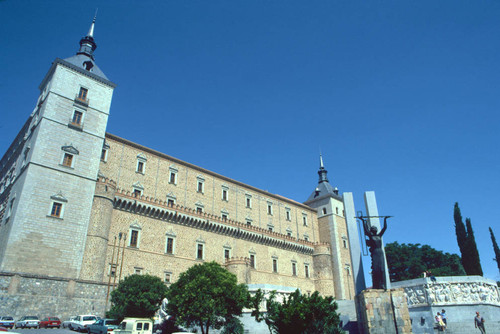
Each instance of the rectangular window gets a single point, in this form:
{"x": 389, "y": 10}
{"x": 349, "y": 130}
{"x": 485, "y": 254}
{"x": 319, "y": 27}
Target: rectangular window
{"x": 304, "y": 220}
{"x": 170, "y": 245}
{"x": 227, "y": 254}
{"x": 167, "y": 278}
{"x": 249, "y": 222}
{"x": 288, "y": 216}
{"x": 140, "y": 167}
{"x": 199, "y": 209}
{"x": 172, "y": 178}
{"x": 56, "y": 210}
{"x": 82, "y": 94}
{"x": 138, "y": 271}
{"x": 77, "y": 118}
{"x": 344, "y": 243}
{"x": 134, "y": 238}
{"x": 170, "y": 202}
{"x": 104, "y": 154}
{"x": 252, "y": 260}
{"x": 275, "y": 265}
{"x": 200, "y": 187}
{"x": 249, "y": 202}
{"x": 224, "y": 217}
{"x": 224, "y": 194}
{"x": 289, "y": 233}
{"x": 199, "y": 253}
{"x": 270, "y": 228}
{"x": 137, "y": 192}
{"x": 294, "y": 269}
{"x": 269, "y": 209}
{"x": 68, "y": 160}
{"x": 112, "y": 270}
{"x": 306, "y": 270}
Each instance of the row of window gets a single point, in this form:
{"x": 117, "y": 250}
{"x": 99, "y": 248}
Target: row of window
{"x": 200, "y": 252}
{"x": 200, "y": 187}
{"x": 171, "y": 201}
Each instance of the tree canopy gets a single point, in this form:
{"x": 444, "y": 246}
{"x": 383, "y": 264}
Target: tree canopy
{"x": 409, "y": 261}
{"x": 298, "y": 314}
{"x": 206, "y": 295}
{"x": 467, "y": 243}
{"x": 137, "y": 296}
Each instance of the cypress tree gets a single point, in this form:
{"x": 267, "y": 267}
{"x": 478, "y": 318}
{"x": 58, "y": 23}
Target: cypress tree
{"x": 461, "y": 237}
{"x": 475, "y": 263}
{"x": 495, "y": 248}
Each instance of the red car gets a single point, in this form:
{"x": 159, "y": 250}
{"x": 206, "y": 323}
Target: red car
{"x": 50, "y": 322}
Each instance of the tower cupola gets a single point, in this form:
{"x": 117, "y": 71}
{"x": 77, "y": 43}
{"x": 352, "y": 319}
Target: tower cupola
{"x": 87, "y": 43}
{"x": 322, "y": 171}
{"x": 324, "y": 188}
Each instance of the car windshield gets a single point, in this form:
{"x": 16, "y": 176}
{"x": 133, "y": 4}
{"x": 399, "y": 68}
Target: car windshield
{"x": 112, "y": 322}
{"x": 89, "y": 318}
{"x": 31, "y": 318}
{"x": 54, "y": 318}
{"x": 7, "y": 318}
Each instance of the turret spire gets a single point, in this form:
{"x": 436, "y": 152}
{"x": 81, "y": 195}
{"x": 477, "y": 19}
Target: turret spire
{"x": 322, "y": 171}
{"x": 91, "y": 30}
{"x": 87, "y": 43}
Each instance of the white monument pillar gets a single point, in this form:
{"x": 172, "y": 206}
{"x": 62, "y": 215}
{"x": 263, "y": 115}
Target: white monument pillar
{"x": 355, "y": 247}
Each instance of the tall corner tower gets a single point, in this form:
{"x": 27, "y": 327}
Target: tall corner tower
{"x": 48, "y": 175}
{"x": 333, "y": 230}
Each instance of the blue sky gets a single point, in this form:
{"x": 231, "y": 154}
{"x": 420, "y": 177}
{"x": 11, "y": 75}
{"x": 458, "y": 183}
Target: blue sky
{"x": 400, "y": 96}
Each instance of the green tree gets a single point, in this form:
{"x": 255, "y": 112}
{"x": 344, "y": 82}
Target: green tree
{"x": 206, "y": 295}
{"x": 137, "y": 296}
{"x": 467, "y": 244}
{"x": 298, "y": 313}
{"x": 461, "y": 236}
{"x": 495, "y": 249}
{"x": 475, "y": 263}
{"x": 409, "y": 261}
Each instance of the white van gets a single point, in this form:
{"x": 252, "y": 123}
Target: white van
{"x": 135, "y": 326}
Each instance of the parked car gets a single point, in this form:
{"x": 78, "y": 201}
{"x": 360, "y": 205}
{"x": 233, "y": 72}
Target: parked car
{"x": 103, "y": 326}
{"x": 29, "y": 321}
{"x": 81, "y": 322}
{"x": 65, "y": 323}
{"x": 135, "y": 326}
{"x": 50, "y": 322}
{"x": 7, "y": 322}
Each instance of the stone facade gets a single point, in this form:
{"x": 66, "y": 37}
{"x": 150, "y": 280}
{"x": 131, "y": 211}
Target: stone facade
{"x": 115, "y": 208}
{"x": 383, "y": 312}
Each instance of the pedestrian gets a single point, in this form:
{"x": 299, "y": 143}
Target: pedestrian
{"x": 433, "y": 278}
{"x": 443, "y": 315}
{"x": 479, "y": 323}
{"x": 439, "y": 320}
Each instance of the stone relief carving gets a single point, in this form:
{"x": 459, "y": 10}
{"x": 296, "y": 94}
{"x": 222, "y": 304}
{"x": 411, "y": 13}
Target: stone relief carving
{"x": 452, "y": 293}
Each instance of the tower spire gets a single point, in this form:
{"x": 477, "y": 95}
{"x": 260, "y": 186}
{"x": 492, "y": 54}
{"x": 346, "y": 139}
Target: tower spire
{"x": 87, "y": 43}
{"x": 322, "y": 171}
{"x": 91, "y": 30}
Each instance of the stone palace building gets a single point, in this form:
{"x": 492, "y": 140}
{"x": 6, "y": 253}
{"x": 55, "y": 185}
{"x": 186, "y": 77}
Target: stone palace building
{"x": 81, "y": 208}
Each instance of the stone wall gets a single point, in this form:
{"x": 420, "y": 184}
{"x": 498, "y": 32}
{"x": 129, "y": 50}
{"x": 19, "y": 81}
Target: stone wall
{"x": 460, "y": 296}
{"x": 43, "y": 296}
{"x": 383, "y": 312}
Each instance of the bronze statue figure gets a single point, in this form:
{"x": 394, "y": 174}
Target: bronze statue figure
{"x": 374, "y": 243}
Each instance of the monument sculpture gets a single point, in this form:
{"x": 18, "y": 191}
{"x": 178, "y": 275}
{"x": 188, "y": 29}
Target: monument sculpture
{"x": 375, "y": 245}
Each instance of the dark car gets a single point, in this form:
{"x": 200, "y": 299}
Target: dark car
{"x": 50, "y": 322}
{"x": 7, "y": 322}
{"x": 103, "y": 326}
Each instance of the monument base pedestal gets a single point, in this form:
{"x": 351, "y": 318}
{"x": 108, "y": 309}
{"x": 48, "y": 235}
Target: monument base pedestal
{"x": 383, "y": 312}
